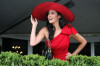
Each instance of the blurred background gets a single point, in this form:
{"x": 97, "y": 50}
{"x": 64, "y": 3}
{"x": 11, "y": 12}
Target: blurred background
{"x": 15, "y": 25}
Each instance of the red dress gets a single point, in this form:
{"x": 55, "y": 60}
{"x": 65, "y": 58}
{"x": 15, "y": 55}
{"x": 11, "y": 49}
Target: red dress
{"x": 60, "y": 43}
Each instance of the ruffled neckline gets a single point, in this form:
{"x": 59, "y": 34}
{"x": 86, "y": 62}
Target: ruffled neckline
{"x": 65, "y": 30}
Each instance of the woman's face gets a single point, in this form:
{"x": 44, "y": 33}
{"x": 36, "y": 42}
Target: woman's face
{"x": 53, "y": 16}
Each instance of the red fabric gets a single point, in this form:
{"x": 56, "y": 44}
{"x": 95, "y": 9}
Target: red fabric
{"x": 60, "y": 43}
{"x": 40, "y": 11}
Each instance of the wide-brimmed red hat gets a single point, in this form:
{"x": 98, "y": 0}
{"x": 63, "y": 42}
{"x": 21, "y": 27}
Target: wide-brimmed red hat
{"x": 40, "y": 11}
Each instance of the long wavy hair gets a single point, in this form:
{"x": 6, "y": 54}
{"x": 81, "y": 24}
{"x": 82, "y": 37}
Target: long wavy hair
{"x": 51, "y": 28}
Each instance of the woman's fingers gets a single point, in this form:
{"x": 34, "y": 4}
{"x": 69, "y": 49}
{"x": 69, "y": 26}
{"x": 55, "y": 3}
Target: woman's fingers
{"x": 66, "y": 57}
{"x": 68, "y": 53}
{"x": 32, "y": 20}
{"x": 35, "y": 19}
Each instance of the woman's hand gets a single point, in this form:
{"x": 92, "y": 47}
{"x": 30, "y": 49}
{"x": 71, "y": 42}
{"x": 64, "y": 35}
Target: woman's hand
{"x": 68, "y": 54}
{"x": 34, "y": 21}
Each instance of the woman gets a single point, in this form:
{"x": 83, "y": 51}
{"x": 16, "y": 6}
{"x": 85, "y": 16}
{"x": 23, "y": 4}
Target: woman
{"x": 57, "y": 29}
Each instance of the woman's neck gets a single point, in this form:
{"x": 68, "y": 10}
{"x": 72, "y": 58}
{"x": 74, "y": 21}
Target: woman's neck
{"x": 56, "y": 26}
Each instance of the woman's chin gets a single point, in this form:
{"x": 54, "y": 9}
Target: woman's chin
{"x": 50, "y": 22}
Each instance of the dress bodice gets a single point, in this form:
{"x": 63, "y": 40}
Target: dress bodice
{"x": 60, "y": 43}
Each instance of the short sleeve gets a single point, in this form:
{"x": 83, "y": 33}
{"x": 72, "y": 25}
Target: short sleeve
{"x": 73, "y": 30}
{"x": 69, "y": 29}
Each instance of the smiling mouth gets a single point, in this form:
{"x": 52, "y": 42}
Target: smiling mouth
{"x": 50, "y": 18}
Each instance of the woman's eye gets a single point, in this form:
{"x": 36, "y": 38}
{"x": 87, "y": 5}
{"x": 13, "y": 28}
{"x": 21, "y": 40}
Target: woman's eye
{"x": 52, "y": 13}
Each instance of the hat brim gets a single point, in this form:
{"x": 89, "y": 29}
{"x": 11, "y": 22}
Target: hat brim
{"x": 40, "y": 11}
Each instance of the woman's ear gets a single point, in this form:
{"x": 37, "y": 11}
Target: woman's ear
{"x": 59, "y": 16}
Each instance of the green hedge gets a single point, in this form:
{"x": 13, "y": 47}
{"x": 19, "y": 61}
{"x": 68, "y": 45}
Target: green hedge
{"x": 14, "y": 59}
{"x": 80, "y": 60}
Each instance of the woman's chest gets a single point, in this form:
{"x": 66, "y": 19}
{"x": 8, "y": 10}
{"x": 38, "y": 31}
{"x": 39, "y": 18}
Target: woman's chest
{"x": 60, "y": 42}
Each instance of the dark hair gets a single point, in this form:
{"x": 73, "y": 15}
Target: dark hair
{"x": 62, "y": 23}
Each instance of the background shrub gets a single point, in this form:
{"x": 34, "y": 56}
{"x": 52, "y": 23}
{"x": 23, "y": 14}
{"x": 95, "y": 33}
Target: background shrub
{"x": 9, "y": 59}
{"x": 14, "y": 59}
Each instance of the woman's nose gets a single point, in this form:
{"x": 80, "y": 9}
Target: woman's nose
{"x": 49, "y": 15}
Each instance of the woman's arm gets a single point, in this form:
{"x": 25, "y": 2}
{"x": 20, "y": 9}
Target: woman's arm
{"x": 34, "y": 40}
{"x": 82, "y": 42}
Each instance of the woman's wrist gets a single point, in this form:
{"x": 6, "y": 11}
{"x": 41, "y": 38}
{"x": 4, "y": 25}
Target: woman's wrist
{"x": 74, "y": 53}
{"x": 34, "y": 26}
{"x": 33, "y": 29}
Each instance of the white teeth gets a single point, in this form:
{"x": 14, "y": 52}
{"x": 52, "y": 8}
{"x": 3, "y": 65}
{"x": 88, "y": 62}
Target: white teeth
{"x": 50, "y": 18}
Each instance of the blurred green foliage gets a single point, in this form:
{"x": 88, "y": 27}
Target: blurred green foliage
{"x": 14, "y": 59}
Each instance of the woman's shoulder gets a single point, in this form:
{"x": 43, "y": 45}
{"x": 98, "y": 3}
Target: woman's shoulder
{"x": 44, "y": 29}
